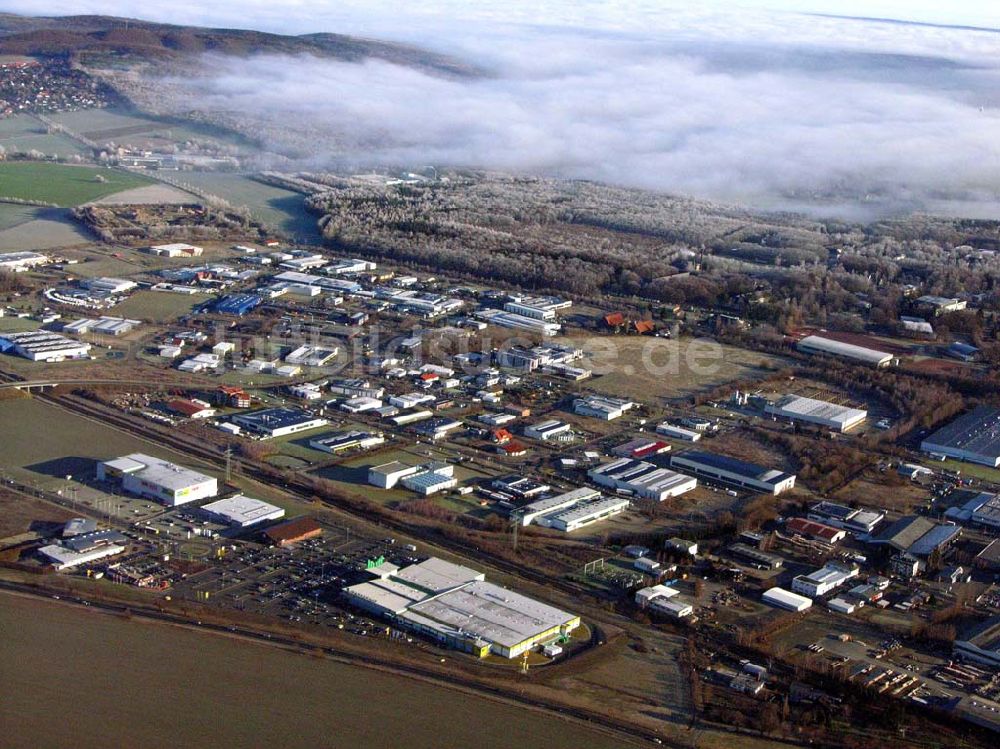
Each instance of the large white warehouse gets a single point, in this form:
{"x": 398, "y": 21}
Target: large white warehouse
{"x": 785, "y": 599}
{"x": 158, "y": 479}
{"x": 457, "y": 607}
{"x": 813, "y": 411}
{"x": 815, "y": 344}
{"x": 642, "y": 479}
{"x": 242, "y": 512}
{"x": 43, "y": 346}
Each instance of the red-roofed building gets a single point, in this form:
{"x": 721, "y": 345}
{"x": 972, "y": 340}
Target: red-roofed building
{"x": 513, "y": 449}
{"x": 614, "y": 320}
{"x": 234, "y": 397}
{"x": 816, "y": 531}
{"x": 502, "y": 436}
{"x": 191, "y": 409}
{"x": 644, "y": 327}
{"x": 656, "y": 448}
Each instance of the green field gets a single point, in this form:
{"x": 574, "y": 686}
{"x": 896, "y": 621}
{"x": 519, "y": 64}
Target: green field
{"x": 19, "y": 124}
{"x": 138, "y": 129}
{"x": 52, "y": 443}
{"x": 12, "y": 214}
{"x": 18, "y": 324}
{"x": 971, "y": 470}
{"x": 96, "y": 120}
{"x": 62, "y": 184}
{"x": 158, "y": 306}
{"x": 24, "y": 227}
{"x": 282, "y": 209}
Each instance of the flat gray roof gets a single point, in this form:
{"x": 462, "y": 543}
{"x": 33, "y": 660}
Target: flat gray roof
{"x": 492, "y": 613}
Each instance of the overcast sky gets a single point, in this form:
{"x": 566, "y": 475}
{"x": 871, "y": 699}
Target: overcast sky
{"x": 748, "y": 100}
{"x": 308, "y": 15}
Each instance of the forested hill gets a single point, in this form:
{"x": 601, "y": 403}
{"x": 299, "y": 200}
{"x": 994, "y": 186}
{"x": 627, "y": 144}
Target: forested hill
{"x": 76, "y": 37}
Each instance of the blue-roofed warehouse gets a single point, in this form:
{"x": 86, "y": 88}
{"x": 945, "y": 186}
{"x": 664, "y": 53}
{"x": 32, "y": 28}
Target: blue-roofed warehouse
{"x": 962, "y": 351}
{"x": 237, "y": 304}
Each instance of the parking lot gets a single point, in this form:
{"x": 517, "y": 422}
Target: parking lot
{"x": 299, "y": 584}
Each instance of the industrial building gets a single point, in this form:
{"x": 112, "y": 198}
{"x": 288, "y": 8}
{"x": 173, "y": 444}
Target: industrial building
{"x": 307, "y": 391}
{"x": 518, "y": 322}
{"x": 537, "y": 307}
{"x": 192, "y": 409}
{"x": 851, "y": 519}
{"x": 356, "y": 388}
{"x": 981, "y": 644}
{"x": 278, "y": 422}
{"x": 641, "y": 448}
{"x": 521, "y": 487}
{"x": 293, "y": 531}
{"x": 176, "y": 249}
{"x": 104, "y": 325}
{"x": 733, "y": 472}
{"x": 337, "y": 442}
{"x": 43, "y": 346}
{"x": 242, "y": 512}
{"x": 83, "y": 548}
{"x": 785, "y": 599}
{"x": 645, "y": 596}
{"x": 555, "y": 503}
{"x": 410, "y": 417}
{"x": 761, "y": 560}
{"x": 682, "y": 545}
{"x": 78, "y": 526}
{"x": 410, "y": 400}
{"x": 437, "y": 428}
{"x": 387, "y": 475}
{"x": 642, "y": 479}
{"x": 602, "y": 407}
{"x": 822, "y": 581}
{"x": 815, "y": 344}
{"x": 430, "y": 479}
{"x": 360, "y": 404}
{"x": 146, "y": 476}
{"x": 237, "y": 304}
{"x": 424, "y": 479}
{"x": 816, "y": 531}
{"x": 812, "y": 411}
{"x": 350, "y": 267}
{"x": 235, "y": 397}
{"x": 107, "y": 286}
{"x": 678, "y": 433}
{"x": 200, "y": 363}
{"x": 987, "y": 513}
{"x": 547, "y": 430}
{"x": 962, "y": 351}
{"x": 21, "y": 261}
{"x": 973, "y": 437}
{"x": 940, "y": 305}
{"x": 457, "y": 607}
{"x": 583, "y": 513}
{"x": 917, "y": 536}
{"x": 311, "y": 356}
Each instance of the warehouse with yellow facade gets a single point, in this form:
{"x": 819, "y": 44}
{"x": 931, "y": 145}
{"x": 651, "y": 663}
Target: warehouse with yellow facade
{"x": 456, "y": 606}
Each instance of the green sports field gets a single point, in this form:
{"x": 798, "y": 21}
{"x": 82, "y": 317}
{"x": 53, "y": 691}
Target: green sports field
{"x": 61, "y": 184}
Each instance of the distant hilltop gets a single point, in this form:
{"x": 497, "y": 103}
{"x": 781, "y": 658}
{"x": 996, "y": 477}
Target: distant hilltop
{"x": 76, "y": 37}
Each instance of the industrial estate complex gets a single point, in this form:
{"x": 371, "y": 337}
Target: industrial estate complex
{"x": 672, "y": 472}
